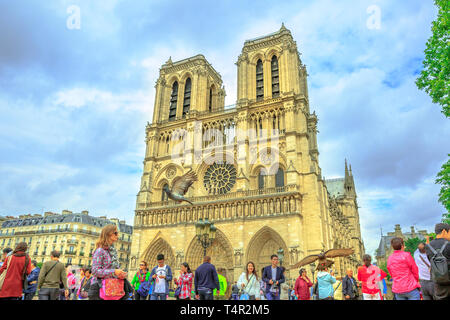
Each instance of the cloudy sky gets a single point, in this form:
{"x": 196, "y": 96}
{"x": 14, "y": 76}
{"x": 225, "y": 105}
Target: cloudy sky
{"x": 74, "y": 101}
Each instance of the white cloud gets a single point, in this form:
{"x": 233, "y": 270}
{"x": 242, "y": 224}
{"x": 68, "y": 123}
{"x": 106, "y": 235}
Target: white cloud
{"x": 82, "y": 146}
{"x": 137, "y": 101}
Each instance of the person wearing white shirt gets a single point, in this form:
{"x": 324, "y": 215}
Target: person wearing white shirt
{"x": 422, "y": 262}
{"x": 249, "y": 283}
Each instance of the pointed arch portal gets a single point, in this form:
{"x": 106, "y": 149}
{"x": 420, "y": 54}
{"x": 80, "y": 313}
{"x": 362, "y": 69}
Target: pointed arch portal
{"x": 221, "y": 253}
{"x": 263, "y": 244}
{"x": 159, "y": 245}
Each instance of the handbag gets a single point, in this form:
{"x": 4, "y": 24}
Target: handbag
{"x": 24, "y": 274}
{"x": 3, "y": 275}
{"x": 84, "y": 293}
{"x": 244, "y": 295}
{"x": 112, "y": 289}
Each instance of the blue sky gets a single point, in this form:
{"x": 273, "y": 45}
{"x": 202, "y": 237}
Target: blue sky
{"x": 74, "y": 102}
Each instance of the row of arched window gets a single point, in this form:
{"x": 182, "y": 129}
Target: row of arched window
{"x": 262, "y": 181}
{"x": 260, "y": 79}
{"x": 174, "y": 99}
{"x": 262, "y": 178}
{"x": 186, "y": 99}
{"x": 259, "y": 89}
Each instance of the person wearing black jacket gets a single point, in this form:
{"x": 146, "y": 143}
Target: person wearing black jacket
{"x": 273, "y": 276}
{"x": 206, "y": 280}
{"x": 441, "y": 290}
{"x": 349, "y": 286}
{"x": 234, "y": 292}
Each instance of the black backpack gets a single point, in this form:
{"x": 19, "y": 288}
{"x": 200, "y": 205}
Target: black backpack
{"x": 439, "y": 265}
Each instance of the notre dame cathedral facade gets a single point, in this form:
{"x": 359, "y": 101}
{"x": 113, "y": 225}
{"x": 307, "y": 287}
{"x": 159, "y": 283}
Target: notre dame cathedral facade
{"x": 259, "y": 179}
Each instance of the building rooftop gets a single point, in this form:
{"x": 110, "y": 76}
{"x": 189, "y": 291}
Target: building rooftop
{"x": 385, "y": 241}
{"x": 66, "y": 217}
{"x": 198, "y": 59}
{"x": 335, "y": 187}
{"x": 281, "y": 31}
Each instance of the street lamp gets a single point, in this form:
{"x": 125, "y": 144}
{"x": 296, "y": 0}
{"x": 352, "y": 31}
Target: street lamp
{"x": 206, "y": 233}
{"x": 313, "y": 269}
{"x": 280, "y": 256}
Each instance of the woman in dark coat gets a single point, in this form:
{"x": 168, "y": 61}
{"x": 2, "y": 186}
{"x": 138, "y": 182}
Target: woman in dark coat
{"x": 17, "y": 267}
{"x": 302, "y": 285}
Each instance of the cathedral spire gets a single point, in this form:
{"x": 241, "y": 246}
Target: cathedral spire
{"x": 349, "y": 184}
{"x": 346, "y": 171}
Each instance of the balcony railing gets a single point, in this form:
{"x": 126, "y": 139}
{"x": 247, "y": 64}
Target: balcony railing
{"x": 242, "y": 204}
{"x": 82, "y": 254}
{"x": 226, "y": 109}
{"x": 72, "y": 241}
{"x": 226, "y": 196}
{"x": 72, "y": 253}
{"x": 194, "y": 113}
{"x": 53, "y": 231}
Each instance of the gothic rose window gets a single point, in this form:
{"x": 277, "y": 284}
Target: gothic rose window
{"x": 219, "y": 178}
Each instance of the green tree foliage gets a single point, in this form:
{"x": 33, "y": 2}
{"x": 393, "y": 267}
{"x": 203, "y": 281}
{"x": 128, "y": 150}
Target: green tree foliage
{"x": 383, "y": 266}
{"x": 435, "y": 80}
{"x": 435, "y": 76}
{"x": 443, "y": 178}
{"x": 411, "y": 245}
{"x": 446, "y": 217}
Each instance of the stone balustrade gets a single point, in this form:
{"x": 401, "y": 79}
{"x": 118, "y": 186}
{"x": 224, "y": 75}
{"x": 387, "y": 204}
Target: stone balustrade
{"x": 250, "y": 204}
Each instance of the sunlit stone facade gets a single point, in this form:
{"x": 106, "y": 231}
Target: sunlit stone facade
{"x": 259, "y": 178}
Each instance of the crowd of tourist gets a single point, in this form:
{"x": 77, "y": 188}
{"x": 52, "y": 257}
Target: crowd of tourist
{"x": 422, "y": 276}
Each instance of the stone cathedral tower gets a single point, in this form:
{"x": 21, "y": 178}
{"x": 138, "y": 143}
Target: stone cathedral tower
{"x": 259, "y": 178}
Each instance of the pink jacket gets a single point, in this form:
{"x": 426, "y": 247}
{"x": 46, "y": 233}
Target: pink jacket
{"x": 71, "y": 280}
{"x": 404, "y": 272}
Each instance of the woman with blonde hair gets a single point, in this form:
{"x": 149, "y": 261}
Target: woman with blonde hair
{"x": 105, "y": 264}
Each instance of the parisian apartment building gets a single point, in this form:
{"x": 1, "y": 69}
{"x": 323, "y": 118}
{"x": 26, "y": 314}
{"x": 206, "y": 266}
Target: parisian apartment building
{"x": 73, "y": 234}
